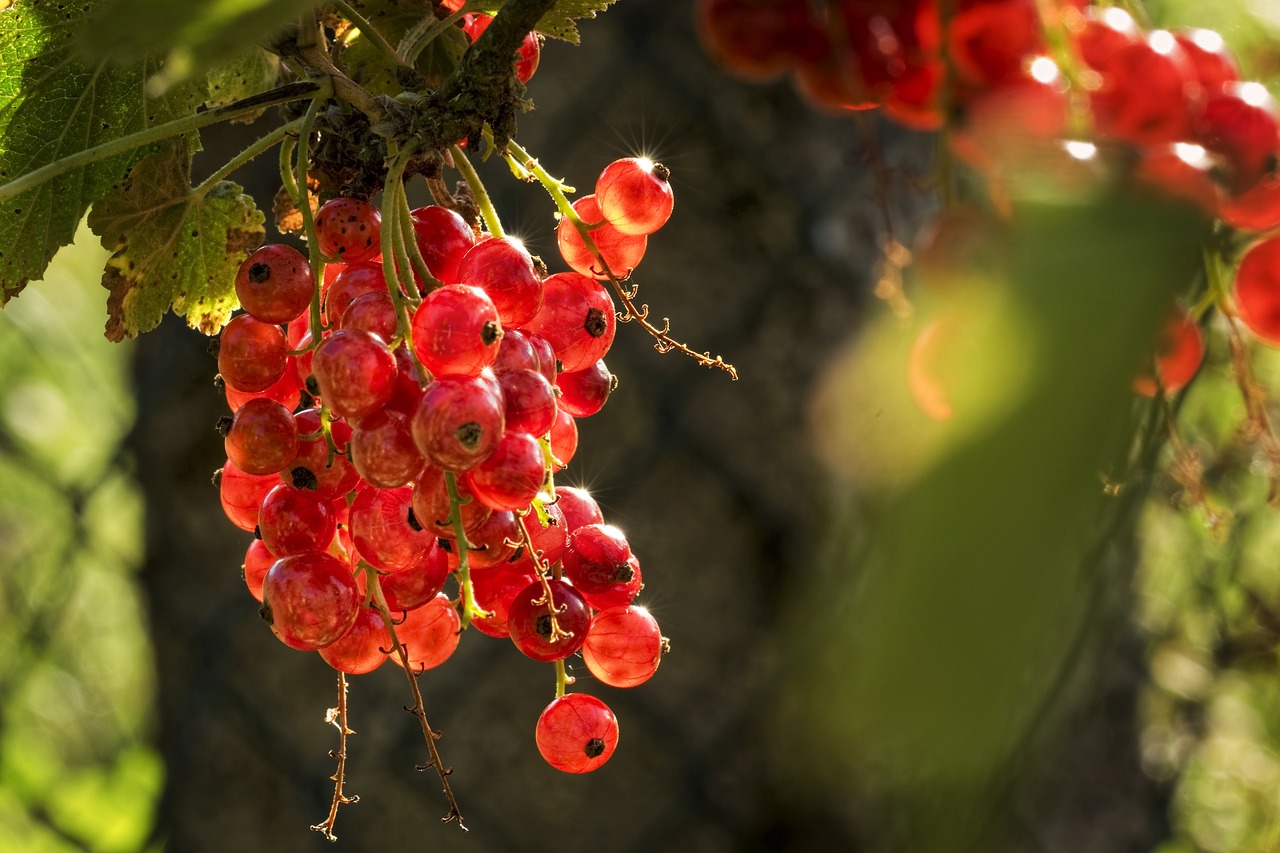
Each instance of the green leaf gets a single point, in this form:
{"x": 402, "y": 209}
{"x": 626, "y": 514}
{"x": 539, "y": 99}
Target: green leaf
{"x": 52, "y": 105}
{"x": 195, "y": 36}
{"x": 249, "y": 74}
{"x": 393, "y": 18}
{"x": 173, "y": 245}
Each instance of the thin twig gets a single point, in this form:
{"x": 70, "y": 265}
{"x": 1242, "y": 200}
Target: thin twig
{"x": 338, "y": 717}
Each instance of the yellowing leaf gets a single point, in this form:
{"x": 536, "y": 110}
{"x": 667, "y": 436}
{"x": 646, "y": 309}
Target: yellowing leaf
{"x": 173, "y": 245}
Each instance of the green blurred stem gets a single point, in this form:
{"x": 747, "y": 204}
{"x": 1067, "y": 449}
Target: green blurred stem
{"x": 318, "y": 90}
{"x": 248, "y": 154}
{"x": 394, "y": 270}
{"x": 369, "y": 31}
{"x": 487, "y": 209}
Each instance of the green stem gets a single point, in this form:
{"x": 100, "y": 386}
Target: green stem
{"x": 246, "y": 155}
{"x": 303, "y": 201}
{"x": 392, "y": 188}
{"x": 562, "y": 679}
{"x": 369, "y": 31}
{"x": 317, "y": 90}
{"x": 425, "y": 32}
{"x": 411, "y": 245}
{"x": 286, "y": 167}
{"x": 487, "y": 210}
{"x": 470, "y": 609}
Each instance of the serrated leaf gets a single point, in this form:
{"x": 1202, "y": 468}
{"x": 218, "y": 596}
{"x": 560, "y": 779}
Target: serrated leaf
{"x": 249, "y": 74}
{"x": 558, "y": 22}
{"x": 53, "y": 104}
{"x": 173, "y": 246}
{"x": 194, "y": 35}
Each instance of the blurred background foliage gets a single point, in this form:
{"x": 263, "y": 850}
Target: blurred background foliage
{"x": 78, "y": 769}
{"x": 958, "y": 615}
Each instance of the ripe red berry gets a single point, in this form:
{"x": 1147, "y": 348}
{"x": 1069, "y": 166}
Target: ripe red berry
{"x": 528, "y": 402}
{"x": 600, "y": 565}
{"x": 429, "y": 633}
{"x": 621, "y": 252}
{"x": 1257, "y": 290}
{"x": 252, "y": 355}
{"x": 356, "y": 372}
{"x": 503, "y": 269}
{"x": 361, "y": 649}
{"x": 623, "y": 647}
{"x": 1179, "y": 352}
{"x": 331, "y": 475}
{"x": 257, "y": 561}
{"x": 242, "y": 494}
{"x": 263, "y": 437}
{"x": 458, "y": 422}
{"x": 577, "y": 319}
{"x": 349, "y": 230}
{"x": 384, "y": 532}
{"x": 527, "y": 55}
{"x": 309, "y": 600}
{"x": 353, "y": 282}
{"x": 443, "y": 238}
{"x": 295, "y": 521}
{"x": 578, "y": 506}
{"x": 418, "y": 584}
{"x": 496, "y": 590}
{"x": 577, "y": 733}
{"x": 511, "y": 476}
{"x": 274, "y": 284}
{"x": 530, "y": 625}
{"x": 564, "y": 438}
{"x": 456, "y": 331}
{"x": 383, "y": 450}
{"x": 584, "y": 392}
{"x": 432, "y": 509}
{"x": 634, "y": 194}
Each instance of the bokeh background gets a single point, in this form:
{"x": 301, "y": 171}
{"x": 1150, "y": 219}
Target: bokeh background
{"x": 144, "y": 705}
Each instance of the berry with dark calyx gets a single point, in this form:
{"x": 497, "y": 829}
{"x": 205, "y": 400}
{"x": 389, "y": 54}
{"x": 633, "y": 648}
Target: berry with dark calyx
{"x": 432, "y": 509}
{"x": 383, "y": 533}
{"x": 356, "y": 373}
{"x": 429, "y": 633}
{"x": 621, "y": 252}
{"x": 252, "y": 355}
{"x": 443, "y": 238}
{"x": 1239, "y": 123}
{"x": 529, "y": 621}
{"x": 418, "y": 584}
{"x": 599, "y": 564}
{"x": 503, "y": 269}
{"x": 511, "y": 476}
{"x": 634, "y": 195}
{"x": 584, "y": 392}
{"x": 313, "y": 468}
{"x": 349, "y": 230}
{"x": 274, "y": 284}
{"x": 383, "y": 450}
{"x": 458, "y": 422}
{"x": 263, "y": 437}
{"x": 372, "y": 312}
{"x": 1257, "y": 290}
{"x": 1177, "y": 358}
{"x": 295, "y": 521}
{"x": 242, "y": 494}
{"x": 361, "y": 649}
{"x": 456, "y": 331}
{"x": 564, "y": 438}
{"x": 309, "y": 600}
{"x": 528, "y": 401}
{"x": 577, "y": 319}
{"x": 577, "y": 733}
{"x": 624, "y": 646}
{"x": 257, "y": 561}
{"x": 579, "y": 508}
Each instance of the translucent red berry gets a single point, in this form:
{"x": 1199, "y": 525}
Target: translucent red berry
{"x": 634, "y": 195}
{"x": 623, "y": 647}
{"x": 577, "y": 733}
{"x": 309, "y": 600}
{"x": 275, "y": 283}
{"x": 349, "y": 230}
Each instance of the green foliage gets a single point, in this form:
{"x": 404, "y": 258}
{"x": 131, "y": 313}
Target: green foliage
{"x": 52, "y": 105}
{"x": 173, "y": 245}
{"x": 393, "y": 19}
{"x": 557, "y": 23}
{"x": 193, "y": 36}
{"x": 253, "y": 72}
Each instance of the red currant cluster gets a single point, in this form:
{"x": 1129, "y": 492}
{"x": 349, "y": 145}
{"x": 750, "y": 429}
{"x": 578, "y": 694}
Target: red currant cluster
{"x": 415, "y": 440}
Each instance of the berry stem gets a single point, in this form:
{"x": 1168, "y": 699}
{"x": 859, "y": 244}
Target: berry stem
{"x": 470, "y": 609}
{"x": 303, "y": 203}
{"x": 662, "y": 336}
{"x": 338, "y": 717}
{"x": 374, "y": 583}
{"x": 317, "y": 90}
{"x": 541, "y": 568}
{"x": 391, "y": 270}
{"x": 487, "y": 210}
{"x": 562, "y": 679}
{"x": 258, "y": 147}
{"x": 409, "y": 238}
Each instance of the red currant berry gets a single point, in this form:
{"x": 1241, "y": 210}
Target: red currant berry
{"x": 584, "y": 392}
{"x": 429, "y": 633}
{"x": 349, "y": 230}
{"x": 443, "y": 238}
{"x": 511, "y": 476}
{"x": 383, "y": 450}
{"x": 295, "y": 521}
{"x": 564, "y": 439}
{"x": 577, "y": 319}
{"x": 531, "y": 625}
{"x": 634, "y": 194}
{"x": 309, "y": 600}
{"x": 623, "y": 647}
{"x": 274, "y": 284}
{"x": 263, "y": 437}
{"x": 356, "y": 373}
{"x": 621, "y": 252}
{"x": 418, "y": 584}
{"x": 386, "y": 533}
{"x": 456, "y": 331}
{"x": 1178, "y": 357}
{"x": 252, "y": 355}
{"x": 242, "y": 494}
{"x": 362, "y": 648}
{"x": 577, "y": 733}
{"x": 1257, "y": 290}
{"x": 257, "y": 561}
{"x": 503, "y": 269}
{"x": 458, "y": 422}
{"x": 432, "y": 509}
